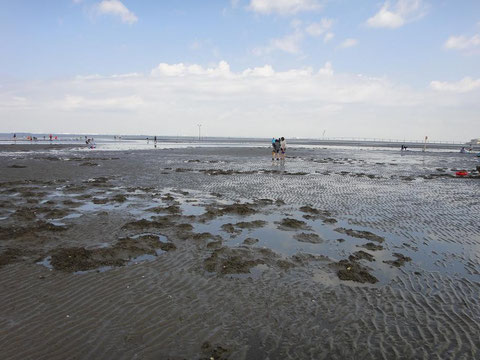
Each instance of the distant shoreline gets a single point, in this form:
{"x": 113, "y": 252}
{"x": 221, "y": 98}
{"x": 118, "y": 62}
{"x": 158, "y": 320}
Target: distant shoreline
{"x": 25, "y": 145}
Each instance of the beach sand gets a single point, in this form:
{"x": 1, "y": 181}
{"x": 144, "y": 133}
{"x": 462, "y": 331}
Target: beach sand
{"x": 221, "y": 253}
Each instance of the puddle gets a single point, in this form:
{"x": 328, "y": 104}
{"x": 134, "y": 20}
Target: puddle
{"x": 57, "y": 223}
{"x": 98, "y": 246}
{"x": 146, "y": 257}
{"x": 71, "y": 216}
{"x": 46, "y": 262}
{"x": 189, "y": 209}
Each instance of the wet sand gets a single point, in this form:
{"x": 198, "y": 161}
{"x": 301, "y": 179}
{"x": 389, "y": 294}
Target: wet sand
{"x": 221, "y": 253}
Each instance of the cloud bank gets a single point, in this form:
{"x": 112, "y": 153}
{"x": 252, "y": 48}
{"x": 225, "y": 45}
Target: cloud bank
{"x": 172, "y": 98}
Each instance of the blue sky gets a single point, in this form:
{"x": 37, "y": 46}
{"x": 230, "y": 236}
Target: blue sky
{"x": 393, "y": 69}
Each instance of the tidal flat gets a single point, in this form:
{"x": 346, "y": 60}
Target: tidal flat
{"x": 216, "y": 252}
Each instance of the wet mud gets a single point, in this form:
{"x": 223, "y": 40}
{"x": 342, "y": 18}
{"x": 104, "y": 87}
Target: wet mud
{"x": 200, "y": 260}
{"x": 361, "y": 234}
{"x": 292, "y": 224}
{"x": 82, "y": 259}
{"x": 308, "y": 238}
{"x": 353, "y": 271}
{"x": 399, "y": 261}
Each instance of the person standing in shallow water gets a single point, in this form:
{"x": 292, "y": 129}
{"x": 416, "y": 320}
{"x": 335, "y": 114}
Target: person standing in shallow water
{"x": 273, "y": 148}
{"x": 276, "y": 149}
{"x": 155, "y": 141}
{"x": 283, "y": 148}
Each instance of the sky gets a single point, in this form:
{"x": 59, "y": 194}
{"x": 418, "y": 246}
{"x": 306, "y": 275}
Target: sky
{"x": 395, "y": 69}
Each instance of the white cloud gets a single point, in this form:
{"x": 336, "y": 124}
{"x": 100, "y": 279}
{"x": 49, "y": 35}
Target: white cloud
{"x": 289, "y": 44}
{"x": 397, "y": 15}
{"x": 180, "y": 69}
{"x": 327, "y": 69}
{"x": 116, "y": 8}
{"x": 265, "y": 71}
{"x": 465, "y": 85}
{"x": 284, "y": 7}
{"x": 320, "y": 28}
{"x": 328, "y": 36}
{"x": 348, "y": 43}
{"x": 462, "y": 42}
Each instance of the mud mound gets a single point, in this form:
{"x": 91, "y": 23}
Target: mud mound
{"x": 212, "y": 352}
{"x": 292, "y": 224}
{"x": 100, "y": 201}
{"x": 310, "y": 210}
{"x": 172, "y": 209}
{"x": 72, "y": 204}
{"x": 308, "y": 238}
{"x": 25, "y": 214}
{"x": 329, "y": 221}
{"x": 304, "y": 258}
{"x": 250, "y": 241}
{"x": 351, "y": 270}
{"x": 371, "y": 246}
{"x": 251, "y": 224}
{"x": 119, "y": 198}
{"x": 238, "y": 209}
{"x": 80, "y": 259}
{"x": 263, "y": 202}
{"x": 57, "y": 213}
{"x": 229, "y": 228}
{"x": 399, "y": 261}
{"x": 10, "y": 255}
{"x": 361, "y": 255}
{"x": 231, "y": 261}
{"x": 159, "y": 222}
{"x": 361, "y": 234}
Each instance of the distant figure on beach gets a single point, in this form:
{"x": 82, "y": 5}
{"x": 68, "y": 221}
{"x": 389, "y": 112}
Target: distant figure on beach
{"x": 90, "y": 143}
{"x": 462, "y": 150}
{"x": 148, "y": 141}
{"x": 15, "y": 138}
{"x": 283, "y": 147}
{"x": 276, "y": 149}
{"x": 155, "y": 141}
{"x": 51, "y": 137}
{"x": 403, "y": 148}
